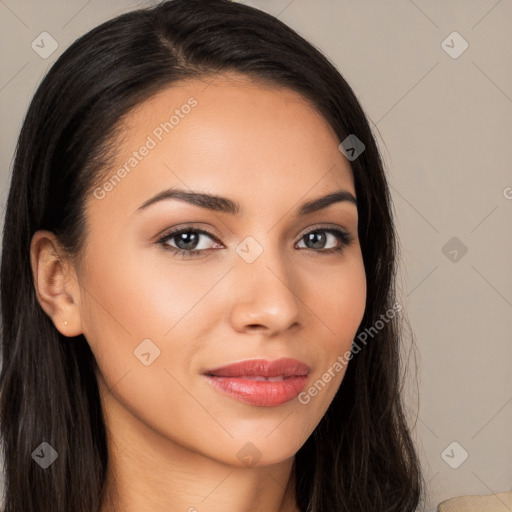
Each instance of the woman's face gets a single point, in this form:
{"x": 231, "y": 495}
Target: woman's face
{"x": 159, "y": 311}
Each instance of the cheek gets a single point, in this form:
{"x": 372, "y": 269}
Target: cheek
{"x": 338, "y": 308}
{"x": 138, "y": 298}
{"x": 351, "y": 299}
{"x": 135, "y": 294}
{"x": 337, "y": 296}
{"x": 143, "y": 320}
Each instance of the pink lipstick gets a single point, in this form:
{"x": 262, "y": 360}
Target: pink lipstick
{"x": 260, "y": 382}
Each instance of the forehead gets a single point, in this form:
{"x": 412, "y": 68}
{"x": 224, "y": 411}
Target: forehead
{"x": 228, "y": 135}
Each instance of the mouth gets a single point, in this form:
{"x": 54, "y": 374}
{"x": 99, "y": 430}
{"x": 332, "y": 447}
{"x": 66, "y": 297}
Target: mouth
{"x": 260, "y": 378}
{"x": 280, "y": 368}
{"x": 260, "y": 382}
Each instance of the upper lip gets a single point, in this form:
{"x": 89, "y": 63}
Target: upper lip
{"x": 285, "y": 367}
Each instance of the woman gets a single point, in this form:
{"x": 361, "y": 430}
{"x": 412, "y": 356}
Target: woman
{"x": 198, "y": 279}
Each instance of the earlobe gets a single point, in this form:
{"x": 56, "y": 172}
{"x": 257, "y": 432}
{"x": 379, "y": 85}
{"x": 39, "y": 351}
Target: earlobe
{"x": 55, "y": 283}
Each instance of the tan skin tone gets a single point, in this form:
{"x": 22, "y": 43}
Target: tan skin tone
{"x": 174, "y": 439}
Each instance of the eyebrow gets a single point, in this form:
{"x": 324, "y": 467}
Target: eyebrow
{"x": 225, "y": 205}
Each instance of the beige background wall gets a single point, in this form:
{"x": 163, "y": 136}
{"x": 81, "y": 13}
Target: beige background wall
{"x": 444, "y": 124}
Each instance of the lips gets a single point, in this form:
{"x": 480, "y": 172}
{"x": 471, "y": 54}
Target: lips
{"x": 260, "y": 382}
{"x": 261, "y": 369}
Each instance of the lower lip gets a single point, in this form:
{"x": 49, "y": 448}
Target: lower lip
{"x": 260, "y": 393}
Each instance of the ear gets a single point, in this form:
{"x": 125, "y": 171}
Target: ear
{"x": 56, "y": 283}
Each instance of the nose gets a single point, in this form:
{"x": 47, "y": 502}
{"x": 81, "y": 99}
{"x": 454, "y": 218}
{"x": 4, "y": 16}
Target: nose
{"x": 264, "y": 295}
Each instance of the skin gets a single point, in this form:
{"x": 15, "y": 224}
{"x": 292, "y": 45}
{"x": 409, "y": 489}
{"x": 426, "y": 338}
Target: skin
{"x": 173, "y": 438}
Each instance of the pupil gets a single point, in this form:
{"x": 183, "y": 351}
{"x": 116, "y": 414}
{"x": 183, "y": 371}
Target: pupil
{"x": 317, "y": 239}
{"x": 189, "y": 239}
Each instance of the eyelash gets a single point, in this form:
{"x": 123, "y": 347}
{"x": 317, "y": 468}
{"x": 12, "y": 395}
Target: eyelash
{"x": 343, "y": 237}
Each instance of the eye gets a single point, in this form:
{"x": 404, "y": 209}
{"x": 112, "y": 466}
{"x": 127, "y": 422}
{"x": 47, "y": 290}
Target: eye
{"x": 319, "y": 237}
{"x": 188, "y": 241}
